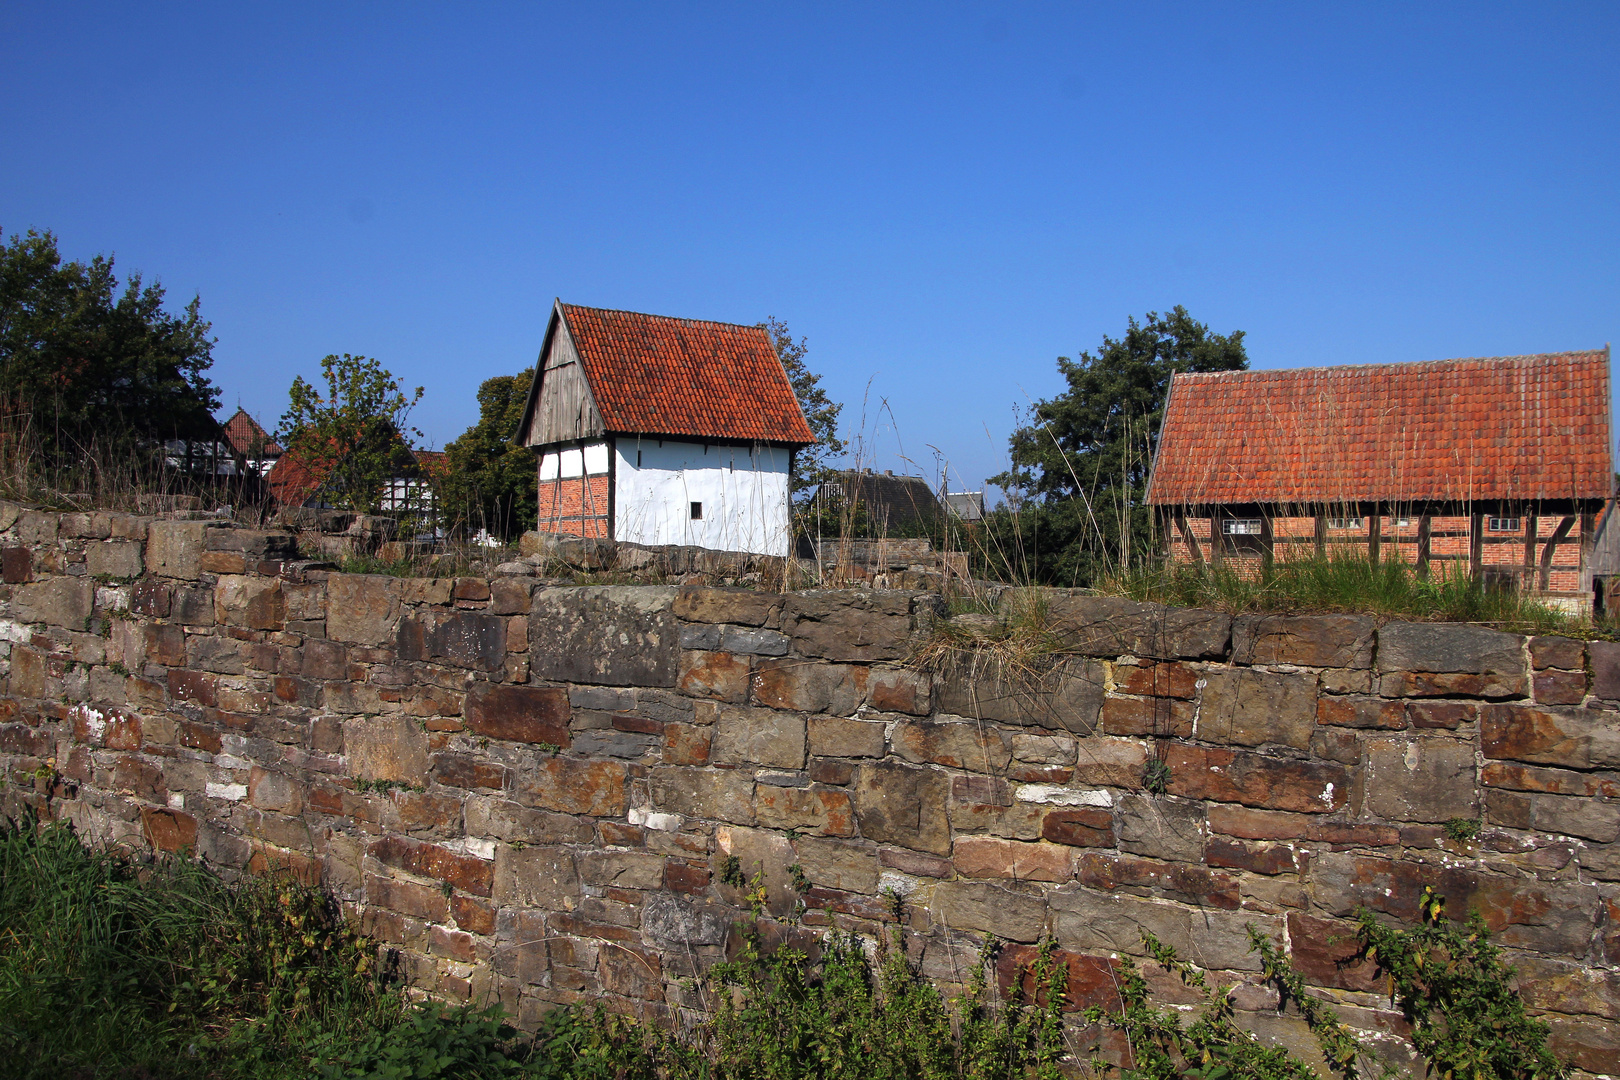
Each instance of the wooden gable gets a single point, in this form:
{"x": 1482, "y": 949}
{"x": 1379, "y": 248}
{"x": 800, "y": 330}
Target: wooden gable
{"x": 561, "y": 407}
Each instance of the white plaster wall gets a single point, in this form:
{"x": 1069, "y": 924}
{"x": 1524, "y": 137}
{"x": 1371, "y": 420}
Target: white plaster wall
{"x": 590, "y": 460}
{"x": 743, "y": 489}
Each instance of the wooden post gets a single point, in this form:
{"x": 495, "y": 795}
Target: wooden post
{"x": 1425, "y": 527}
{"x": 1268, "y": 547}
{"x": 1375, "y": 526}
{"x": 1588, "y": 527}
{"x": 1476, "y": 545}
{"x": 1321, "y": 535}
{"x": 1549, "y": 550}
{"x": 1217, "y": 542}
{"x": 1529, "y": 575}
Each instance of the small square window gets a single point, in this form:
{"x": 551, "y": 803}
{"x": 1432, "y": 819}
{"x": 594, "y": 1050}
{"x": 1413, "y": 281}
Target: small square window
{"x": 1504, "y": 524}
{"x": 1344, "y": 523}
{"x": 1403, "y": 523}
{"x": 1241, "y": 526}
{"x": 697, "y": 511}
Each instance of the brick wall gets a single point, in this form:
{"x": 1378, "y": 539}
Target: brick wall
{"x": 531, "y": 790}
{"x": 577, "y": 507}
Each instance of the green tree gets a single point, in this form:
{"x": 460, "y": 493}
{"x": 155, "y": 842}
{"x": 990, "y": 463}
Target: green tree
{"x": 489, "y": 481}
{"x": 810, "y": 466}
{"x": 355, "y": 438}
{"x": 91, "y": 366}
{"x": 1080, "y": 464}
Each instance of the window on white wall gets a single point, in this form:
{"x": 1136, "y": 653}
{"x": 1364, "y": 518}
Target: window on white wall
{"x": 697, "y": 511}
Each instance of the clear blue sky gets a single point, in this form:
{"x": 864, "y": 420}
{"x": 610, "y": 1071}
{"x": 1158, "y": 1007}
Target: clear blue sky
{"x": 942, "y": 198}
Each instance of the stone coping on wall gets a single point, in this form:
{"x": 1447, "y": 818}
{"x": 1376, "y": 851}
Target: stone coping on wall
{"x": 547, "y": 793}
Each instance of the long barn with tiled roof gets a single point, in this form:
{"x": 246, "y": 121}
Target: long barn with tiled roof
{"x": 658, "y": 430}
{"x": 1501, "y": 464}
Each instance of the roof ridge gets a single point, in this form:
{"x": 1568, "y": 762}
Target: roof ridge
{"x": 1403, "y": 364}
{"x": 667, "y": 318}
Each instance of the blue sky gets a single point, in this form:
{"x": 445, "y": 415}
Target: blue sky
{"x": 942, "y": 198}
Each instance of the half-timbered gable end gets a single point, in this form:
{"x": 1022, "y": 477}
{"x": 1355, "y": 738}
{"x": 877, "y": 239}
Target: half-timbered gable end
{"x": 1501, "y": 464}
{"x": 657, "y": 430}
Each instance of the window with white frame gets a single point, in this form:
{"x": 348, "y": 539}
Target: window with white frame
{"x": 1504, "y": 524}
{"x": 1344, "y": 523}
{"x": 1241, "y": 526}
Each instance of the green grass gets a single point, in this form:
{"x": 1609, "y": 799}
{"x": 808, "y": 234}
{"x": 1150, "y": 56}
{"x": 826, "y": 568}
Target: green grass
{"x": 1344, "y": 583}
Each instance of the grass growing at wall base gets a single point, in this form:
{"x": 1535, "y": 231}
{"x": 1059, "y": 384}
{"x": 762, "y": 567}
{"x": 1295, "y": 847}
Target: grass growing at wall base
{"x": 1340, "y": 582}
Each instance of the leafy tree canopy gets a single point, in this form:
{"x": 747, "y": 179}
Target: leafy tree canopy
{"x": 355, "y": 438}
{"x": 1080, "y": 464}
{"x": 93, "y": 365}
{"x": 489, "y": 481}
{"x": 810, "y": 466}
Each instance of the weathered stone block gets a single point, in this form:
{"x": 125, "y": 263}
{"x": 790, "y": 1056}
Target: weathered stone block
{"x": 1255, "y": 780}
{"x": 1605, "y": 669}
{"x": 16, "y": 565}
{"x": 1094, "y": 921}
{"x": 753, "y": 642}
{"x": 809, "y": 686}
{"x": 1328, "y": 641}
{"x": 684, "y": 923}
{"x": 849, "y": 624}
{"x": 1575, "y": 738}
{"x": 570, "y": 785}
{"x": 1449, "y": 647}
{"x": 1109, "y": 762}
{"x": 971, "y": 746}
{"x": 57, "y": 601}
{"x": 464, "y": 872}
{"x": 253, "y": 602}
{"x": 1327, "y": 952}
{"x": 1560, "y": 687}
{"x": 687, "y": 744}
{"x": 1422, "y": 779}
{"x": 758, "y": 737}
{"x": 1164, "y": 717}
{"x": 1255, "y": 858}
{"x": 1557, "y": 652}
{"x": 1080, "y": 827}
{"x": 532, "y": 714}
{"x": 722, "y": 676}
{"x": 711, "y": 794}
{"x": 745, "y": 607}
{"x": 993, "y": 857}
{"x": 504, "y": 820}
{"x": 37, "y": 526}
{"x": 362, "y": 608}
{"x": 820, "y": 810}
{"x": 834, "y": 737}
{"x": 382, "y": 747}
{"x": 1253, "y": 708}
{"x": 1161, "y": 828}
{"x": 115, "y": 558}
{"x": 1167, "y": 880}
{"x": 839, "y": 864}
{"x": 1452, "y": 684}
{"x": 1361, "y": 712}
{"x": 173, "y": 548}
{"x": 615, "y": 636}
{"x": 458, "y": 638}
{"x": 1010, "y": 914}
{"x": 895, "y": 689}
{"x": 620, "y": 869}
{"x": 1067, "y": 696}
{"x": 541, "y": 876}
{"x": 1447, "y": 715}
{"x": 1109, "y": 626}
{"x": 903, "y": 805}
{"x": 1174, "y": 680}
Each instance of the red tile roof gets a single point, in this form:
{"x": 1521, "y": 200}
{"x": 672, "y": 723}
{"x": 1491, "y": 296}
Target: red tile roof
{"x": 656, "y": 375}
{"x": 291, "y": 481}
{"x": 248, "y": 438}
{"x": 1513, "y": 427}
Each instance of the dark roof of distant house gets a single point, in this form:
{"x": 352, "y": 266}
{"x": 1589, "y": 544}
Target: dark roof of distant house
{"x": 890, "y": 500}
{"x": 248, "y": 438}
{"x": 657, "y": 375}
{"x": 1510, "y": 428}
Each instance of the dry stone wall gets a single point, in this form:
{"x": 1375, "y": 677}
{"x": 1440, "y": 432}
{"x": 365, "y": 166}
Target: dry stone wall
{"x": 546, "y": 793}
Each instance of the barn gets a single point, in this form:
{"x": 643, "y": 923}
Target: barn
{"x": 1500, "y": 465}
{"x": 657, "y": 430}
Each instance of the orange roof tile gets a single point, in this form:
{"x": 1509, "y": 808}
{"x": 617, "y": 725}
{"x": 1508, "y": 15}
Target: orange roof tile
{"x": 656, "y": 375}
{"x": 1514, "y": 427}
{"x": 291, "y": 481}
{"x": 248, "y": 438}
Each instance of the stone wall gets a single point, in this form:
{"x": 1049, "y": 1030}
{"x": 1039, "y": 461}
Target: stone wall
{"x": 535, "y": 792}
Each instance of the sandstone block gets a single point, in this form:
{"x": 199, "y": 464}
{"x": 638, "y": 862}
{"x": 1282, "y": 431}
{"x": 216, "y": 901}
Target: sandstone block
{"x": 458, "y": 638}
{"x": 745, "y": 607}
{"x": 173, "y": 548}
{"x": 1449, "y": 647}
{"x": 1066, "y": 696}
{"x": 992, "y": 857}
{"x": 849, "y": 624}
{"x": 903, "y": 805}
{"x": 722, "y": 676}
{"x": 169, "y": 830}
{"x": 687, "y": 744}
{"x": 503, "y": 820}
{"x": 1361, "y": 712}
{"x": 894, "y": 689}
{"x": 711, "y": 794}
{"x": 1422, "y": 779}
{"x": 1164, "y": 717}
{"x": 1110, "y": 626}
{"x": 614, "y": 636}
{"x": 851, "y": 866}
{"x": 1013, "y": 915}
{"x": 406, "y": 897}
{"x": 16, "y": 565}
{"x": 809, "y": 686}
{"x": 758, "y": 737}
{"x": 115, "y": 558}
{"x": 362, "y": 608}
{"x": 1045, "y": 749}
{"x": 1253, "y": 708}
{"x": 383, "y": 747}
{"x": 253, "y": 602}
{"x": 819, "y": 810}
{"x": 1081, "y": 827}
{"x": 571, "y": 785}
{"x": 58, "y": 601}
{"x": 1325, "y": 641}
{"x": 1255, "y": 780}
{"x": 531, "y": 714}
{"x": 1605, "y": 669}
{"x": 1326, "y": 952}
{"x": 620, "y": 869}
{"x": 834, "y": 737}
{"x": 748, "y": 641}
{"x": 1452, "y": 684}
{"x": 1109, "y": 762}
{"x": 1267, "y": 859}
{"x": 1093, "y": 981}
{"x": 1574, "y": 738}
{"x": 684, "y": 923}
{"x": 1560, "y": 687}
{"x": 1174, "y": 881}
{"x": 464, "y": 872}
{"x": 971, "y": 746}
{"x": 1557, "y": 652}
{"x": 1100, "y": 922}
{"x": 541, "y": 876}
{"x": 1448, "y": 715}
{"x": 1553, "y": 781}
{"x": 1161, "y": 828}
{"x": 1172, "y": 680}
